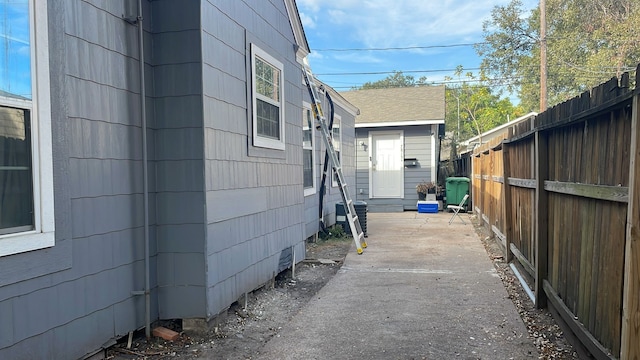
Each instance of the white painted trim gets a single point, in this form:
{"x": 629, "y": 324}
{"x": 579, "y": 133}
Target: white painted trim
{"x": 310, "y": 190}
{"x": 261, "y": 141}
{"x": 434, "y": 168}
{"x": 399, "y": 123}
{"x": 341, "y": 101}
{"x": 476, "y": 138}
{"x": 43, "y": 235}
{"x": 297, "y": 29}
{"x": 371, "y": 146}
{"x": 337, "y": 119}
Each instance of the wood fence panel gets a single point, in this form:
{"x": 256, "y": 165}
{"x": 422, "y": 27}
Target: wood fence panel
{"x": 522, "y": 209}
{"x": 585, "y": 235}
{"x": 475, "y": 181}
{"x": 571, "y": 215}
{"x": 498, "y": 217}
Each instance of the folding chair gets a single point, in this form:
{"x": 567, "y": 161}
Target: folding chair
{"x": 457, "y": 208}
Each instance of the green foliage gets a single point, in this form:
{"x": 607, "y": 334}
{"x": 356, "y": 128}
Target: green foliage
{"x": 336, "y": 232}
{"x": 478, "y": 107}
{"x": 397, "y": 79}
{"x": 481, "y": 108}
{"x": 588, "y": 42}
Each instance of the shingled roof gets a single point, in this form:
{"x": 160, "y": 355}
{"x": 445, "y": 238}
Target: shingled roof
{"x": 410, "y": 104}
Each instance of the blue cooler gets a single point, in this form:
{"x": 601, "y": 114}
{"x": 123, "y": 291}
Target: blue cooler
{"x": 428, "y": 206}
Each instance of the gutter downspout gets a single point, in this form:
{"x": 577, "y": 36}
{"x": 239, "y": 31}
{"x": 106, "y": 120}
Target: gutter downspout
{"x": 137, "y": 20}
{"x": 145, "y": 177}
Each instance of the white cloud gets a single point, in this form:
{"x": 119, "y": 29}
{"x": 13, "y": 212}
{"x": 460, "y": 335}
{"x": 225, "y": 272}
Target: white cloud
{"x": 307, "y": 21}
{"x": 311, "y": 5}
{"x": 382, "y": 23}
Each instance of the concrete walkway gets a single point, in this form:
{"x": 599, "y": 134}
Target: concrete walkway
{"x": 423, "y": 289}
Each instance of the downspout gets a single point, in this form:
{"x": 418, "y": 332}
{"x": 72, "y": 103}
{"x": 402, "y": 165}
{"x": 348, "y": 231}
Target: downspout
{"x": 137, "y": 20}
{"x": 145, "y": 177}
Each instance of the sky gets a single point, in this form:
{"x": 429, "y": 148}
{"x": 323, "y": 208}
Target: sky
{"x": 436, "y": 27}
{"x": 15, "y": 51}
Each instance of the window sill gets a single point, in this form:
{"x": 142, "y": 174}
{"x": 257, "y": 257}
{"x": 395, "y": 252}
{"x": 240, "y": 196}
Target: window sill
{"x": 28, "y": 241}
{"x": 268, "y": 143}
{"x": 309, "y": 192}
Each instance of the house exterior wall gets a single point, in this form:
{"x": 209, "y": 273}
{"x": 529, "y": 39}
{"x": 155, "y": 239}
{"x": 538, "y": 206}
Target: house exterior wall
{"x": 223, "y": 215}
{"x": 418, "y": 144}
{"x": 64, "y": 302}
{"x": 176, "y": 82}
{"x": 332, "y": 195}
{"x": 254, "y": 196}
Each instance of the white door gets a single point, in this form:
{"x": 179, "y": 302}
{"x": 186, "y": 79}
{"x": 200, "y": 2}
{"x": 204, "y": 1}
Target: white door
{"x": 387, "y": 165}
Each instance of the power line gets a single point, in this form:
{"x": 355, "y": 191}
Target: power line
{"x": 402, "y": 48}
{"x": 483, "y": 83}
{"x": 585, "y": 68}
{"x": 393, "y": 72}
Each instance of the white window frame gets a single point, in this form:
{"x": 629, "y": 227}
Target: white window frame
{"x": 43, "y": 234}
{"x": 337, "y": 119}
{"x": 262, "y": 141}
{"x": 307, "y": 107}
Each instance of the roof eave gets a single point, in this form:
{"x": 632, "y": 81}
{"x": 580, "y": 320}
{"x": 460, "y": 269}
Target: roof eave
{"x": 399, "y": 123}
{"x": 302, "y": 46}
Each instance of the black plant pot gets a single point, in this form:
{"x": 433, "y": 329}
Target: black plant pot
{"x": 422, "y": 196}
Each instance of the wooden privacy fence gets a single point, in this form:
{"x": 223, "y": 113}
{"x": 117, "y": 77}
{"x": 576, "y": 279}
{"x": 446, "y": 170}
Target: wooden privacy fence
{"x": 562, "y": 193}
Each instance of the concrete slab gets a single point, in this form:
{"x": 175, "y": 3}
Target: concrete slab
{"x": 423, "y": 289}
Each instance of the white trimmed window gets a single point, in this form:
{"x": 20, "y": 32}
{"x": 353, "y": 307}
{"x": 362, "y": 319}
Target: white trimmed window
{"x": 308, "y": 151}
{"x": 26, "y": 174}
{"x": 336, "y": 138}
{"x": 268, "y": 100}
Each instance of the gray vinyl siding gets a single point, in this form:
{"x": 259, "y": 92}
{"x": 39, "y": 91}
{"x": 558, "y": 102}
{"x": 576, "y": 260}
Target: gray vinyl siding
{"x": 223, "y": 215}
{"x": 176, "y": 118}
{"x": 254, "y": 197}
{"x": 418, "y": 145}
{"x": 86, "y": 300}
{"x": 332, "y": 196}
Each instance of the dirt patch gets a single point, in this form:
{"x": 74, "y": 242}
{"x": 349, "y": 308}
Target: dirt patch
{"x": 543, "y": 329}
{"x": 244, "y": 330}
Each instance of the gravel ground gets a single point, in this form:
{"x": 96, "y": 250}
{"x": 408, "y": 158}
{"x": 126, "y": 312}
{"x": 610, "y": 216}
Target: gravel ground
{"x": 243, "y": 331}
{"x": 542, "y": 328}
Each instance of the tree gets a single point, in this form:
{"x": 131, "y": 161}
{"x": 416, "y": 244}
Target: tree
{"x": 396, "y": 79}
{"x": 480, "y": 107}
{"x": 475, "y": 106}
{"x": 588, "y": 42}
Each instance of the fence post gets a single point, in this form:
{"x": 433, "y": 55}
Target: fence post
{"x": 480, "y": 207}
{"x": 541, "y": 217}
{"x": 630, "y": 346}
{"x": 506, "y": 200}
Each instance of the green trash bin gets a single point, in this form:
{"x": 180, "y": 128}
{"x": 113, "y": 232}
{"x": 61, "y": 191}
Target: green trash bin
{"x": 457, "y": 188}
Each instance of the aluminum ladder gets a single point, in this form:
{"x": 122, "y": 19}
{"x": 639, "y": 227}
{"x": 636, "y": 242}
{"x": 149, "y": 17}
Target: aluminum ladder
{"x": 316, "y": 108}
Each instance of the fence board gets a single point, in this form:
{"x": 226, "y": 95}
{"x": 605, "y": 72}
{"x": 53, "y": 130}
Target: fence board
{"x": 541, "y": 220}
{"x": 585, "y": 336}
{"x": 523, "y": 183}
{"x": 601, "y": 192}
{"x": 507, "y": 198}
{"x": 630, "y": 346}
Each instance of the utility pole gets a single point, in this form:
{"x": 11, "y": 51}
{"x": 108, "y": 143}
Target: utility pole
{"x": 543, "y": 56}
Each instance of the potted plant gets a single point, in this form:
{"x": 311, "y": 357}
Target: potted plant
{"x": 425, "y": 187}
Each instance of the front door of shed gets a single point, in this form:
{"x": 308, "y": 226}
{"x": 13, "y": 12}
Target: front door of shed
{"x": 387, "y": 167}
